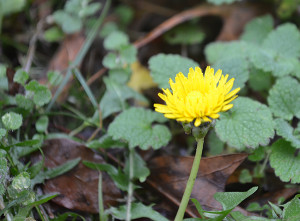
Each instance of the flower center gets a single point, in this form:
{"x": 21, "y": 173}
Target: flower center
{"x": 194, "y": 97}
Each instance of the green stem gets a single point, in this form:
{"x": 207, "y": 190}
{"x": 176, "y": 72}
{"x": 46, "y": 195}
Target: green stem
{"x": 190, "y": 183}
{"x": 102, "y": 216}
{"x": 130, "y": 186}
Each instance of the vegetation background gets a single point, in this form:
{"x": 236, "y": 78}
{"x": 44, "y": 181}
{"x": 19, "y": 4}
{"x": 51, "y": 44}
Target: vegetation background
{"x": 79, "y": 139}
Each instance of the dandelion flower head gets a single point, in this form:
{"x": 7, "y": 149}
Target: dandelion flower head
{"x": 198, "y": 97}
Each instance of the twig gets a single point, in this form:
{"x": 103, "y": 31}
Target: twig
{"x": 32, "y": 45}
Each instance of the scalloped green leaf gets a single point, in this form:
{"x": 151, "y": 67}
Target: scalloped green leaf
{"x": 248, "y": 124}
{"x": 222, "y": 50}
{"x": 285, "y": 130}
{"x": 257, "y": 29}
{"x": 237, "y": 67}
{"x": 166, "y": 66}
{"x": 2, "y": 133}
{"x": 12, "y": 121}
{"x": 284, "y": 161}
{"x": 284, "y": 98}
{"x": 135, "y": 125}
{"x": 285, "y": 40}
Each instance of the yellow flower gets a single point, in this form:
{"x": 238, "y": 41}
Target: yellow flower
{"x": 197, "y": 97}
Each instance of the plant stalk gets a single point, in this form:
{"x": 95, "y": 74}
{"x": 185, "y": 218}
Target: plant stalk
{"x": 130, "y": 186}
{"x": 190, "y": 183}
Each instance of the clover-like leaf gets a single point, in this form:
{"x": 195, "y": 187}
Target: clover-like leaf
{"x": 135, "y": 126}
{"x": 248, "y": 124}
{"x": 284, "y": 161}
{"x": 284, "y": 98}
{"x": 42, "y": 95}
{"x": 285, "y": 130}
{"x": 285, "y": 40}
{"x": 115, "y": 40}
{"x": 166, "y": 66}
{"x": 12, "y": 121}
{"x": 21, "y": 76}
{"x": 257, "y": 29}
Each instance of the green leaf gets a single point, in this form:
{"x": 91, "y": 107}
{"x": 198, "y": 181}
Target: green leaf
{"x": 245, "y": 176}
{"x": 138, "y": 210}
{"x": 258, "y": 29}
{"x": 135, "y": 126}
{"x": 120, "y": 76}
{"x": 285, "y": 130}
{"x": 69, "y": 23}
{"x": 166, "y": 66}
{"x": 257, "y": 155}
{"x": 140, "y": 170}
{"x": 222, "y": 50}
{"x": 24, "y": 102}
{"x": 12, "y": 6}
{"x": 128, "y": 54}
{"x": 56, "y": 171}
{"x": 2, "y": 133}
{"x": 291, "y": 210}
{"x": 43, "y": 199}
{"x": 110, "y": 61}
{"x": 248, "y": 124}
{"x": 284, "y": 98}
{"x": 114, "y": 99}
{"x": 125, "y": 14}
{"x": 115, "y": 40}
{"x": 21, "y": 182}
{"x": 284, "y": 161}
{"x": 89, "y": 10}
{"x": 230, "y": 200}
{"x": 42, "y": 95}
{"x": 12, "y": 121}
{"x": 4, "y": 173}
{"x": 54, "y": 77}
{"x": 188, "y": 33}
{"x": 120, "y": 179}
{"x": 285, "y": 40}
{"x": 53, "y": 34}
{"x": 42, "y": 124}
{"x": 260, "y": 80}
{"x": 237, "y": 67}
{"x": 104, "y": 142}
{"x": 268, "y": 61}
{"x": 219, "y": 2}
{"x": 238, "y": 216}
{"x": 216, "y": 146}
{"x": 21, "y": 77}
{"x": 108, "y": 27}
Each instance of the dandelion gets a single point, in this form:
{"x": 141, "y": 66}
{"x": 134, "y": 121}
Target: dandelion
{"x": 198, "y": 97}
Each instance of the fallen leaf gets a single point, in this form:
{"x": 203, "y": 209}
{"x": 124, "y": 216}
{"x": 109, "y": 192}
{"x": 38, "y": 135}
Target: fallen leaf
{"x": 140, "y": 79}
{"x": 170, "y": 174}
{"x": 78, "y": 188}
{"x": 66, "y": 53}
